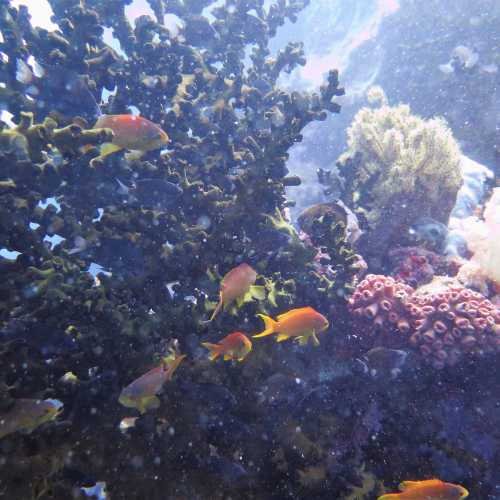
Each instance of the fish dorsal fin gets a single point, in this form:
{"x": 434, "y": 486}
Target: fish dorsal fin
{"x": 408, "y": 485}
{"x": 293, "y": 312}
{"x": 286, "y": 315}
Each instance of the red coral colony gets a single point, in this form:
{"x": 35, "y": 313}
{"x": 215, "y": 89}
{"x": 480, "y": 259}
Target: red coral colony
{"x": 442, "y": 326}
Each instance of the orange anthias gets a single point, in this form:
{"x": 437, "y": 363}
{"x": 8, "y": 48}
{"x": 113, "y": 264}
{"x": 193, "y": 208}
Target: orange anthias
{"x": 131, "y": 132}
{"x": 235, "y": 346}
{"x": 431, "y": 489}
{"x": 238, "y": 285}
{"x": 303, "y": 323}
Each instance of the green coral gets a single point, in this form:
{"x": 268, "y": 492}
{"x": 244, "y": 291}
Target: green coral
{"x": 344, "y": 264}
{"x": 399, "y": 167}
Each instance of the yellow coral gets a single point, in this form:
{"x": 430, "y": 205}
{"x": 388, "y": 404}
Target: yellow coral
{"x": 409, "y": 153}
{"x": 407, "y": 167}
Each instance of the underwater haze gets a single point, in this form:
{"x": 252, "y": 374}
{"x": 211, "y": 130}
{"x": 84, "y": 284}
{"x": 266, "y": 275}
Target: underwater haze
{"x": 249, "y": 249}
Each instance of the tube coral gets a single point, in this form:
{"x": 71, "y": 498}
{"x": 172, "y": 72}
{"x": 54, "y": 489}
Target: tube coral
{"x": 442, "y": 321}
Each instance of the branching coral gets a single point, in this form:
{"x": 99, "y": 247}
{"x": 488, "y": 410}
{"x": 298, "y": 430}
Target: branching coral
{"x": 154, "y": 224}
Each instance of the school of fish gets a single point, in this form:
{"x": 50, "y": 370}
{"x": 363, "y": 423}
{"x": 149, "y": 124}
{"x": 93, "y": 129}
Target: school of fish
{"x": 136, "y": 133}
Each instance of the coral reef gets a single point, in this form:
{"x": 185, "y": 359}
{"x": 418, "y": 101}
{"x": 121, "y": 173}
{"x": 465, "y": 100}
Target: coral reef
{"x": 110, "y": 260}
{"x": 398, "y": 168}
{"x": 111, "y": 252}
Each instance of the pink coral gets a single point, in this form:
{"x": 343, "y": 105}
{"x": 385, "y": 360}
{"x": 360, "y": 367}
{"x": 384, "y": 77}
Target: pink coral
{"x": 452, "y": 322}
{"x": 380, "y": 302}
{"x": 481, "y": 236}
{"x": 442, "y": 322}
{"x": 416, "y": 266}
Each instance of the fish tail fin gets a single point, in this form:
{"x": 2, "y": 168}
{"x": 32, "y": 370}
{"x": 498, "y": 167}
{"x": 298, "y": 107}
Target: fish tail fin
{"x": 171, "y": 365}
{"x": 216, "y": 310}
{"x": 269, "y": 325}
{"x": 214, "y": 350}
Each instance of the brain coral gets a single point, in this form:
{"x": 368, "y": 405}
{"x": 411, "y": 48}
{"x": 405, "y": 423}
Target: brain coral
{"x": 399, "y": 168}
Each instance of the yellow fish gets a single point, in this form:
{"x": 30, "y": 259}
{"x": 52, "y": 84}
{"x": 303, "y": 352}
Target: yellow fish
{"x": 303, "y": 323}
{"x": 431, "y": 489}
{"x": 141, "y": 393}
{"x": 27, "y": 414}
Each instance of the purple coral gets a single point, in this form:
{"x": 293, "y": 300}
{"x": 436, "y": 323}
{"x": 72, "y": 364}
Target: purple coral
{"x": 380, "y": 302}
{"x": 451, "y": 323}
{"x": 417, "y": 266}
{"x": 442, "y": 325}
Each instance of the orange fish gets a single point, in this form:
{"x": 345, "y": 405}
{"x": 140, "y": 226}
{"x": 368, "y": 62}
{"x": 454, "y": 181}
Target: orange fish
{"x": 238, "y": 285}
{"x": 141, "y": 393}
{"x": 303, "y": 323}
{"x": 235, "y": 346}
{"x": 431, "y": 489}
{"x": 131, "y": 132}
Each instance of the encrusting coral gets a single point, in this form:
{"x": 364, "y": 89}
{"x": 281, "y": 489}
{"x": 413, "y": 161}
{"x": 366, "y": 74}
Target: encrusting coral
{"x": 451, "y": 322}
{"x": 442, "y": 321}
{"x": 398, "y": 168}
{"x": 380, "y": 301}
